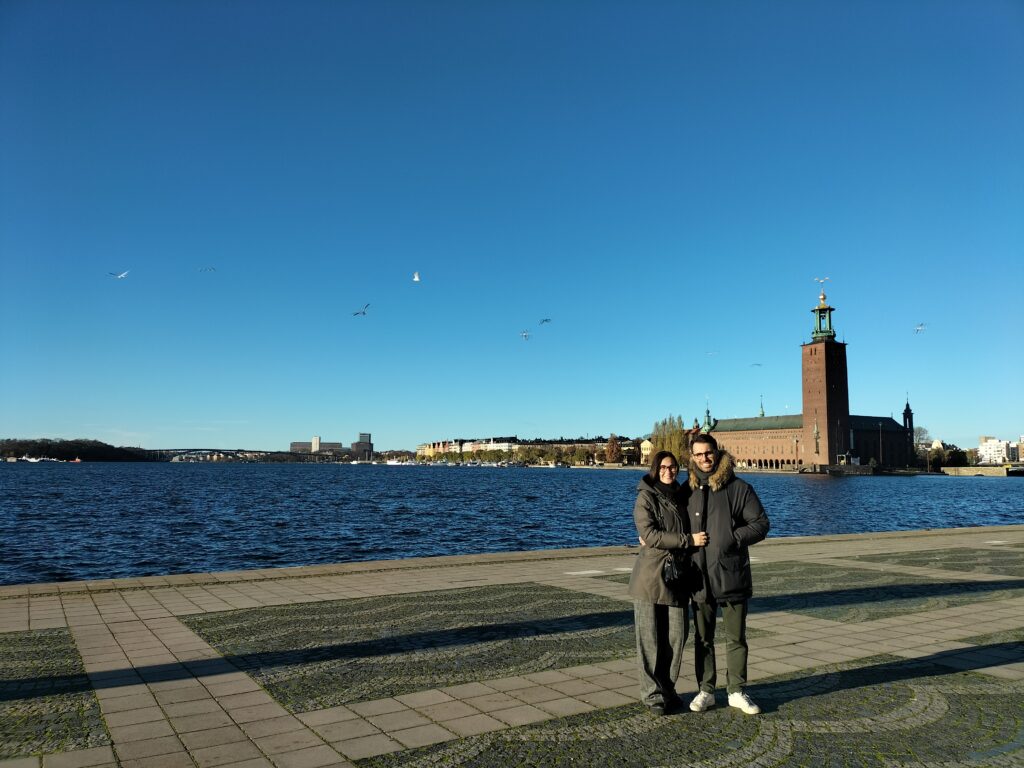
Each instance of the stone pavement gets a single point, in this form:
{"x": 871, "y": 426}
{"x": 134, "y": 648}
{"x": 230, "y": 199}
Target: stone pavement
{"x": 896, "y": 649}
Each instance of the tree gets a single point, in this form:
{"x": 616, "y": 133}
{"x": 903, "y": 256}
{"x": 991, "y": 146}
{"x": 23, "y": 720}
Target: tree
{"x": 669, "y": 434}
{"x": 613, "y": 451}
{"x": 936, "y": 459}
{"x": 956, "y": 458}
{"x": 580, "y": 456}
{"x": 921, "y": 435}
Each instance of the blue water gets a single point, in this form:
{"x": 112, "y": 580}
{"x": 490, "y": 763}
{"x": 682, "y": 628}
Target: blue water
{"x": 93, "y": 521}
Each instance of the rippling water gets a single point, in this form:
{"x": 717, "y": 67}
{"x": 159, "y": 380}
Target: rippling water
{"x": 92, "y": 521}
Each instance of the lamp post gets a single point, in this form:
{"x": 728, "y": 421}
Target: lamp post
{"x": 879, "y": 444}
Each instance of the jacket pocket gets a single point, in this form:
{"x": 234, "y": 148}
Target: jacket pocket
{"x": 736, "y": 577}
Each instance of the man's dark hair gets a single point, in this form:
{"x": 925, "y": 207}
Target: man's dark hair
{"x": 704, "y": 438}
{"x": 656, "y": 462}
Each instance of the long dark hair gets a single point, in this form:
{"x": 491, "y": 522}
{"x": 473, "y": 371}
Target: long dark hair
{"x": 656, "y": 462}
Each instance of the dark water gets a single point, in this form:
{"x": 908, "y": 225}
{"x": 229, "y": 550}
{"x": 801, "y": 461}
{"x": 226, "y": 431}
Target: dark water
{"x": 92, "y": 521}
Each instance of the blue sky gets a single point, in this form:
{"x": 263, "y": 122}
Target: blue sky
{"x": 661, "y": 179}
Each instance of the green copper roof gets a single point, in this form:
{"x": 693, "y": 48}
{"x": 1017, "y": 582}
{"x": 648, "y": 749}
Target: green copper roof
{"x": 793, "y": 421}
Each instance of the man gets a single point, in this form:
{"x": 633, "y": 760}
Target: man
{"x": 728, "y": 510}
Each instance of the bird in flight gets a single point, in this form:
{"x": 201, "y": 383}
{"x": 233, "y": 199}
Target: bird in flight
{"x": 545, "y": 320}
{"x": 525, "y": 335}
{"x": 919, "y": 328}
{"x": 119, "y": 275}
{"x": 756, "y": 365}
{"x": 207, "y": 269}
{"x": 415, "y": 277}
{"x": 821, "y": 280}
{"x": 361, "y": 311}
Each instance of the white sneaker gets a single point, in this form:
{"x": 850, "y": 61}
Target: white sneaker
{"x": 702, "y": 701}
{"x": 743, "y": 703}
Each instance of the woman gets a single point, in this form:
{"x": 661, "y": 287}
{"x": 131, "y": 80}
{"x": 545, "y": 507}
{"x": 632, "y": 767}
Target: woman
{"x": 660, "y": 614}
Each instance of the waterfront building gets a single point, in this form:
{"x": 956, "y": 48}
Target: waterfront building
{"x": 316, "y": 445}
{"x": 991, "y": 450}
{"x": 362, "y": 449}
{"x": 825, "y": 433}
{"x": 512, "y": 445}
{"x": 645, "y": 452}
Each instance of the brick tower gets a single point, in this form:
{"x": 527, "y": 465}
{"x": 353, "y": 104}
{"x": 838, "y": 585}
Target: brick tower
{"x": 826, "y": 396}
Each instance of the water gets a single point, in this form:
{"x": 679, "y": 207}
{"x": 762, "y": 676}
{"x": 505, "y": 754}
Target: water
{"x": 94, "y": 521}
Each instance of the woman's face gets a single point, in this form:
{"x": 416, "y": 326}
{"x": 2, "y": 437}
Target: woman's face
{"x": 667, "y": 470}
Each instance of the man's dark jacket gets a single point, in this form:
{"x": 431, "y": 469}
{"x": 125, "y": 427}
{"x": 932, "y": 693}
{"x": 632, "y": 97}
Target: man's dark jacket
{"x": 735, "y": 519}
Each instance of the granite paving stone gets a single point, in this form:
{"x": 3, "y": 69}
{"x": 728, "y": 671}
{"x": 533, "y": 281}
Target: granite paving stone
{"x": 882, "y": 650}
{"x": 311, "y": 757}
{"x": 282, "y": 724}
{"x": 367, "y": 746}
{"x": 212, "y": 737}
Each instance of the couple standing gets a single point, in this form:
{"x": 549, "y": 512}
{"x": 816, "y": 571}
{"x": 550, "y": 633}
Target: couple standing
{"x": 713, "y": 518}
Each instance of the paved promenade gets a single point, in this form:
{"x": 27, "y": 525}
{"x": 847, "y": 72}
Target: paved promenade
{"x": 898, "y": 649}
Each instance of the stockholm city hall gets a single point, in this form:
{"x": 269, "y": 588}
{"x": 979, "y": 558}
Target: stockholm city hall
{"x": 826, "y": 433}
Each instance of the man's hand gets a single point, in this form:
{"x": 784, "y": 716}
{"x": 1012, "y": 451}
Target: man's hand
{"x": 699, "y": 539}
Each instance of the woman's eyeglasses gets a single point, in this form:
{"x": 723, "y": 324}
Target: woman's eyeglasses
{"x": 668, "y": 468}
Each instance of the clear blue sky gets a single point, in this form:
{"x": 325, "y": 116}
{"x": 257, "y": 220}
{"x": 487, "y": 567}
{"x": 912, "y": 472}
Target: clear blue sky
{"x": 661, "y": 179}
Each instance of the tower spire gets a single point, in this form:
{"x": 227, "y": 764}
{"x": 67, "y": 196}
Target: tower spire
{"x": 823, "y": 330}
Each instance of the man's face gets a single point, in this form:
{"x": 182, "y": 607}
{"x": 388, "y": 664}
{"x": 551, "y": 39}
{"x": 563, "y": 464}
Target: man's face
{"x": 704, "y": 457}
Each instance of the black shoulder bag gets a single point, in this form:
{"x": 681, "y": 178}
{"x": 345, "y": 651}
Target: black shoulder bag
{"x": 678, "y": 566}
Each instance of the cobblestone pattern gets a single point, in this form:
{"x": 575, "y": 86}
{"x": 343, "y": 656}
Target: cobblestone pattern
{"x": 1000, "y": 638}
{"x": 1002, "y": 562}
{"x": 856, "y": 595}
{"x": 886, "y": 714}
{"x": 317, "y": 656}
{"x": 46, "y": 702}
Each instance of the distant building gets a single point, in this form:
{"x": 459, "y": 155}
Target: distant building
{"x": 362, "y": 449}
{"x": 316, "y": 445}
{"x": 825, "y": 433}
{"x": 645, "y": 452}
{"x": 993, "y": 451}
{"x": 513, "y": 445}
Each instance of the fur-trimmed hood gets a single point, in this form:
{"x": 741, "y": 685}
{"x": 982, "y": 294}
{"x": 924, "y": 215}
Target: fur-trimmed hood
{"x": 719, "y": 478}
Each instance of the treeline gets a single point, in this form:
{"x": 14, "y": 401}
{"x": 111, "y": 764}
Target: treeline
{"x": 68, "y": 450}
{"x": 670, "y": 434}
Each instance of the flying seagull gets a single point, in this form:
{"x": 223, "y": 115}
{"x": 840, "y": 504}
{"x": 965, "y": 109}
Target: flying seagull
{"x": 545, "y": 320}
{"x": 919, "y": 328}
{"x": 821, "y": 280}
{"x": 756, "y": 365}
{"x": 119, "y": 276}
{"x": 415, "y": 277}
{"x": 361, "y": 311}
{"x": 525, "y": 335}
{"x": 207, "y": 269}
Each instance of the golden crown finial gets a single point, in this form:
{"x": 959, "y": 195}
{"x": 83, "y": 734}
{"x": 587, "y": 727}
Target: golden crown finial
{"x": 821, "y": 298}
